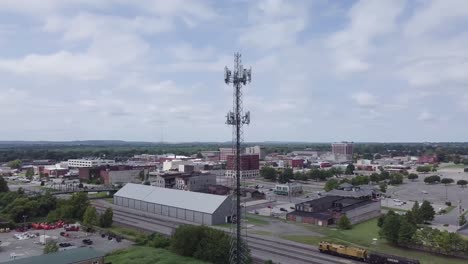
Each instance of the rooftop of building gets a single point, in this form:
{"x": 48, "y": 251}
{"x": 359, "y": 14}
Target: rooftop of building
{"x": 200, "y": 202}
{"x": 354, "y": 193}
{"x": 76, "y": 255}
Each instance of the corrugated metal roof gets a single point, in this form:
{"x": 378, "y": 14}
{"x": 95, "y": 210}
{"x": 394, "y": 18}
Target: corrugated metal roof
{"x": 200, "y": 202}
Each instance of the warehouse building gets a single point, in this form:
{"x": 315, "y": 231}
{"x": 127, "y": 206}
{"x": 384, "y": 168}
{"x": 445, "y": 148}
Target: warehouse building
{"x": 328, "y": 210}
{"x": 200, "y": 208}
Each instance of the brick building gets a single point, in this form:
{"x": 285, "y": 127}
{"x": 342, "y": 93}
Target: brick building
{"x": 249, "y": 166}
{"x": 342, "y": 151}
{"x": 225, "y": 152}
{"x": 297, "y": 163}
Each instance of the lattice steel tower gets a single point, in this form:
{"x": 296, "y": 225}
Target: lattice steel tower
{"x": 239, "y": 77}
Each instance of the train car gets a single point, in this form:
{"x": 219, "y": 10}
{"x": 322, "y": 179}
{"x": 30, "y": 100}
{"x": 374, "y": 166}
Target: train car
{"x": 379, "y": 258}
{"x": 343, "y": 251}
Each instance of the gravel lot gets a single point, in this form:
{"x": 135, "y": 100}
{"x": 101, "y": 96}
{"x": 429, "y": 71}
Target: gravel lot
{"x": 31, "y": 247}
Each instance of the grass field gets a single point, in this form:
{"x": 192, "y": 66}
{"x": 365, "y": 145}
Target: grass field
{"x": 256, "y": 220}
{"x": 128, "y": 233}
{"x": 148, "y": 255}
{"x": 363, "y": 235}
{"x": 453, "y": 166}
{"x": 449, "y": 209}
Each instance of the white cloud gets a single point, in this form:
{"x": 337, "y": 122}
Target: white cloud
{"x": 426, "y": 116}
{"x": 274, "y": 23}
{"x": 61, "y": 64}
{"x": 88, "y": 25}
{"x": 436, "y": 15}
{"x": 368, "y": 20}
{"x": 364, "y": 99}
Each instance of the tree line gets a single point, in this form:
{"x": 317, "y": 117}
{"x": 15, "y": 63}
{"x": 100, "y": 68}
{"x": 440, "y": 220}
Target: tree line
{"x": 200, "y": 242}
{"x": 287, "y": 174}
{"x": 405, "y": 230}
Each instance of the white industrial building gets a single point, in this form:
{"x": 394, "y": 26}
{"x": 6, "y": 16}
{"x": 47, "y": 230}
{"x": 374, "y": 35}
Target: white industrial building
{"x": 89, "y": 163}
{"x": 200, "y": 208}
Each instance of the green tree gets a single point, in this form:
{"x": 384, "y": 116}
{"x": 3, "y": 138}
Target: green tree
{"x": 106, "y": 219}
{"x": 432, "y": 179}
{"x": 391, "y": 228}
{"x": 462, "y": 220}
{"x": 29, "y": 173}
{"x": 213, "y": 247}
{"x": 78, "y": 204}
{"x": 447, "y": 181}
{"x": 374, "y": 177}
{"x": 331, "y": 184}
{"x": 406, "y": 232}
{"x": 344, "y": 223}
{"x": 416, "y": 214}
{"x": 90, "y": 217}
{"x": 3, "y": 185}
{"x": 286, "y": 176}
{"x": 384, "y": 175}
{"x": 350, "y": 169}
{"x": 462, "y": 183}
{"x": 427, "y": 211}
{"x": 360, "y": 180}
{"x": 381, "y": 219}
{"x": 423, "y": 169}
{"x": 412, "y": 176}
{"x": 158, "y": 241}
{"x": 383, "y": 187}
{"x": 396, "y": 178}
{"x": 268, "y": 173}
{"x": 51, "y": 247}
{"x": 185, "y": 240}
{"x": 15, "y": 164}
{"x": 199, "y": 155}
{"x": 300, "y": 176}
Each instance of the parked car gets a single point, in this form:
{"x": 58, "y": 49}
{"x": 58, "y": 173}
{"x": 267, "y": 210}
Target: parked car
{"x": 87, "y": 241}
{"x": 65, "y": 244}
{"x": 282, "y": 209}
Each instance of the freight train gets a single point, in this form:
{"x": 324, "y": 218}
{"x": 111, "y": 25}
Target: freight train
{"x": 362, "y": 254}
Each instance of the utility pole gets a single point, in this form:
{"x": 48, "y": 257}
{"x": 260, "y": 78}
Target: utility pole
{"x": 236, "y": 118}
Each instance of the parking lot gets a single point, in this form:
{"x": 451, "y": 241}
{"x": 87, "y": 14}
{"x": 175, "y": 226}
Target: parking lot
{"x": 11, "y": 246}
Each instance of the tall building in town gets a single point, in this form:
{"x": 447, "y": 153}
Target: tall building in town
{"x": 224, "y": 152}
{"x": 260, "y": 151}
{"x": 343, "y": 151}
{"x": 89, "y": 163}
{"x": 249, "y": 166}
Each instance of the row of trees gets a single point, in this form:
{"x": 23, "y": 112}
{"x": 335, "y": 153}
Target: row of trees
{"x": 436, "y": 179}
{"x": 200, "y": 242}
{"x": 426, "y": 168}
{"x": 400, "y": 229}
{"x": 382, "y": 178}
{"x": 92, "y": 218}
{"x": 285, "y": 175}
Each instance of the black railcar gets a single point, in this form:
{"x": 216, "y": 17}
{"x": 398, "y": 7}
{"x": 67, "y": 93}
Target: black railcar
{"x": 379, "y": 258}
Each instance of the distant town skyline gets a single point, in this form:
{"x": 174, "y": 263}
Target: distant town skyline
{"x": 150, "y": 70}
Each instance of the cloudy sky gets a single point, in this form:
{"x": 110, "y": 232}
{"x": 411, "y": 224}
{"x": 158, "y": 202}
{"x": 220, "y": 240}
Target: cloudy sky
{"x": 149, "y": 70}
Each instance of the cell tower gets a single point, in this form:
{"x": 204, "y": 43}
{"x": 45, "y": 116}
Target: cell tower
{"x": 236, "y": 118}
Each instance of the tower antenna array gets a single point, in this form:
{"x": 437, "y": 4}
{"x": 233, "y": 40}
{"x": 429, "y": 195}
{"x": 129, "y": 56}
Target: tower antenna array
{"x": 237, "y": 119}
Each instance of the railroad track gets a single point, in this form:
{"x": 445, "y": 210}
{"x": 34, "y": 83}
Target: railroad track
{"x": 291, "y": 251}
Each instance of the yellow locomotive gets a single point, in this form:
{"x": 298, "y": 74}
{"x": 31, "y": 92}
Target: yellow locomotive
{"x": 362, "y": 254}
{"x": 343, "y": 251}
